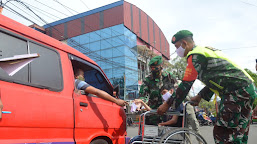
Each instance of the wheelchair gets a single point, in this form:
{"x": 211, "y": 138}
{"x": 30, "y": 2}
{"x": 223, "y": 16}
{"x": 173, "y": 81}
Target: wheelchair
{"x": 153, "y": 134}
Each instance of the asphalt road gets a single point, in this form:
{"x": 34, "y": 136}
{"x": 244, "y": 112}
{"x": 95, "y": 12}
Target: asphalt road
{"x": 206, "y": 132}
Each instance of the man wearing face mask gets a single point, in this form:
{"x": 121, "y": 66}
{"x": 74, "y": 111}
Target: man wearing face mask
{"x": 150, "y": 90}
{"x": 222, "y": 76}
{"x": 80, "y": 84}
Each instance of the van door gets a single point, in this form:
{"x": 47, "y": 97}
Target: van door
{"x": 40, "y": 108}
{"x": 96, "y": 120}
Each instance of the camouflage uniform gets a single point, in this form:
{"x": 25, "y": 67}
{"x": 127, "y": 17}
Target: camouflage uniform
{"x": 230, "y": 82}
{"x": 150, "y": 91}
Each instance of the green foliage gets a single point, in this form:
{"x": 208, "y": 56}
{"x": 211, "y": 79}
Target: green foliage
{"x": 254, "y": 77}
{"x": 178, "y": 67}
{"x": 208, "y": 106}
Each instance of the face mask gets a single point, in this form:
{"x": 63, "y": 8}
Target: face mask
{"x": 166, "y": 96}
{"x": 156, "y": 71}
{"x": 180, "y": 51}
{"x": 80, "y": 77}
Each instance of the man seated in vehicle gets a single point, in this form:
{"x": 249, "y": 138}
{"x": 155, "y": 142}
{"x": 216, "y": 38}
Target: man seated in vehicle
{"x": 80, "y": 84}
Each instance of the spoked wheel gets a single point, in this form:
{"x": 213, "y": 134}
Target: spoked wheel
{"x": 182, "y": 136}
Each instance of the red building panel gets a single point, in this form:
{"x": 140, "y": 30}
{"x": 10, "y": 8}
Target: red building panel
{"x": 140, "y": 42}
{"x": 58, "y": 31}
{"x": 74, "y": 28}
{"x": 144, "y": 30}
{"x": 92, "y": 22}
{"x": 127, "y": 15}
{"x": 113, "y": 16}
{"x": 163, "y": 40}
{"x": 150, "y": 21}
{"x": 157, "y": 38}
{"x": 168, "y": 50}
{"x": 47, "y": 30}
{"x": 136, "y": 20}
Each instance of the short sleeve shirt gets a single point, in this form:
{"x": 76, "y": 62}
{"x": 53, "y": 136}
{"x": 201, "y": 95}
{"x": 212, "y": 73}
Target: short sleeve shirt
{"x": 81, "y": 85}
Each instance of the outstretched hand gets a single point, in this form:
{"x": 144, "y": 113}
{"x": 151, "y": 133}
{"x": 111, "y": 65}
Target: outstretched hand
{"x": 121, "y": 102}
{"x": 136, "y": 101}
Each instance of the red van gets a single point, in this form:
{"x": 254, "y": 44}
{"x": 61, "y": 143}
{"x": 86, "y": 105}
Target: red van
{"x": 43, "y": 103}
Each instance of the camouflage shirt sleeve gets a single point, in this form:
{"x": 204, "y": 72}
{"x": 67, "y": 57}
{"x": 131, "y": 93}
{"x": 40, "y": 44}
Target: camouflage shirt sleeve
{"x": 144, "y": 91}
{"x": 195, "y": 65}
{"x": 206, "y": 93}
{"x": 200, "y": 63}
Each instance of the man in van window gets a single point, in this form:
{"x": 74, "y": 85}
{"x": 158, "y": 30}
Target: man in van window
{"x": 80, "y": 84}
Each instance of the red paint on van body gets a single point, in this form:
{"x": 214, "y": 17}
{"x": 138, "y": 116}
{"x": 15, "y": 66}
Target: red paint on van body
{"x": 40, "y": 115}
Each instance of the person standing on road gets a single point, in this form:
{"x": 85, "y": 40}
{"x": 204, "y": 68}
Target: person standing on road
{"x": 222, "y": 76}
{"x": 150, "y": 90}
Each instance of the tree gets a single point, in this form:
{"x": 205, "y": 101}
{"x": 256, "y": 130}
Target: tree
{"x": 254, "y": 77}
{"x": 178, "y": 67}
{"x": 208, "y": 106}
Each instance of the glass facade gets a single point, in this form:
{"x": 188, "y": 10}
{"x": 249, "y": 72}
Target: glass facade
{"x": 114, "y": 50}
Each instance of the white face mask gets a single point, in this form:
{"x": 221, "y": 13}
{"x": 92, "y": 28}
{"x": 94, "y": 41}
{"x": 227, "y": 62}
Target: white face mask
{"x": 180, "y": 51}
{"x": 166, "y": 96}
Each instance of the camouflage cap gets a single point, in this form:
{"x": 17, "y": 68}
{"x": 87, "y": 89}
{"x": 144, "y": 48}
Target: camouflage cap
{"x": 180, "y": 35}
{"x": 157, "y": 60}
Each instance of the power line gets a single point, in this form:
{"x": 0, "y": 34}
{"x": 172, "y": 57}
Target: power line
{"x": 23, "y": 11}
{"x": 85, "y": 4}
{"x": 51, "y": 8}
{"x": 67, "y": 8}
{"x": 31, "y": 11}
{"x": 240, "y": 48}
{"x": 249, "y": 3}
{"x": 38, "y": 9}
{"x": 17, "y": 13}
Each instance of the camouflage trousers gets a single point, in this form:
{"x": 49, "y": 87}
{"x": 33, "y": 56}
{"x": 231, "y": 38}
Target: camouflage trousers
{"x": 233, "y": 119}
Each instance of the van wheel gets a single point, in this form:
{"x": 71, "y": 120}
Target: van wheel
{"x": 99, "y": 141}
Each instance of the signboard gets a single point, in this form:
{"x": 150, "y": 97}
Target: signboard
{"x": 151, "y": 131}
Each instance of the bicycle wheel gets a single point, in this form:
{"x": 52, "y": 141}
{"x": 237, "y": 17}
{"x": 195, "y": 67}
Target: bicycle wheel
{"x": 182, "y": 136}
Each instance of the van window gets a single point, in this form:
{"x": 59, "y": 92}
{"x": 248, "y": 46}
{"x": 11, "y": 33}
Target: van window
{"x": 42, "y": 72}
{"x": 45, "y": 70}
{"x": 10, "y": 46}
{"x": 93, "y": 74}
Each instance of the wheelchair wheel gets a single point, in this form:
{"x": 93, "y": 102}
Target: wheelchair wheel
{"x": 182, "y": 136}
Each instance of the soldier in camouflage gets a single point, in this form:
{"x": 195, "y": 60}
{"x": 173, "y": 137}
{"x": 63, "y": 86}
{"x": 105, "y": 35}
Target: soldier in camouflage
{"x": 150, "y": 90}
{"x": 221, "y": 76}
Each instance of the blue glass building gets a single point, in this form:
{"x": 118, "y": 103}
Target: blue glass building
{"x": 119, "y": 37}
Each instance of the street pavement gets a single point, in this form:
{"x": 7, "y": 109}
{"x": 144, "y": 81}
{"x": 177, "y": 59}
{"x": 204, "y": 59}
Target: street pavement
{"x": 207, "y": 133}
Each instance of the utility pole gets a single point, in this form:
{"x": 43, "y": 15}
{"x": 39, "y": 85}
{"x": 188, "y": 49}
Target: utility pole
{"x": 124, "y": 86}
{"x": 1, "y": 8}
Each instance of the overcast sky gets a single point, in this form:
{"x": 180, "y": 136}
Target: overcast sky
{"x": 229, "y": 25}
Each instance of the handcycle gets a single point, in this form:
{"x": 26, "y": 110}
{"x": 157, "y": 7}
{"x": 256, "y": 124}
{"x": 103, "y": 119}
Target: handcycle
{"x": 153, "y": 134}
